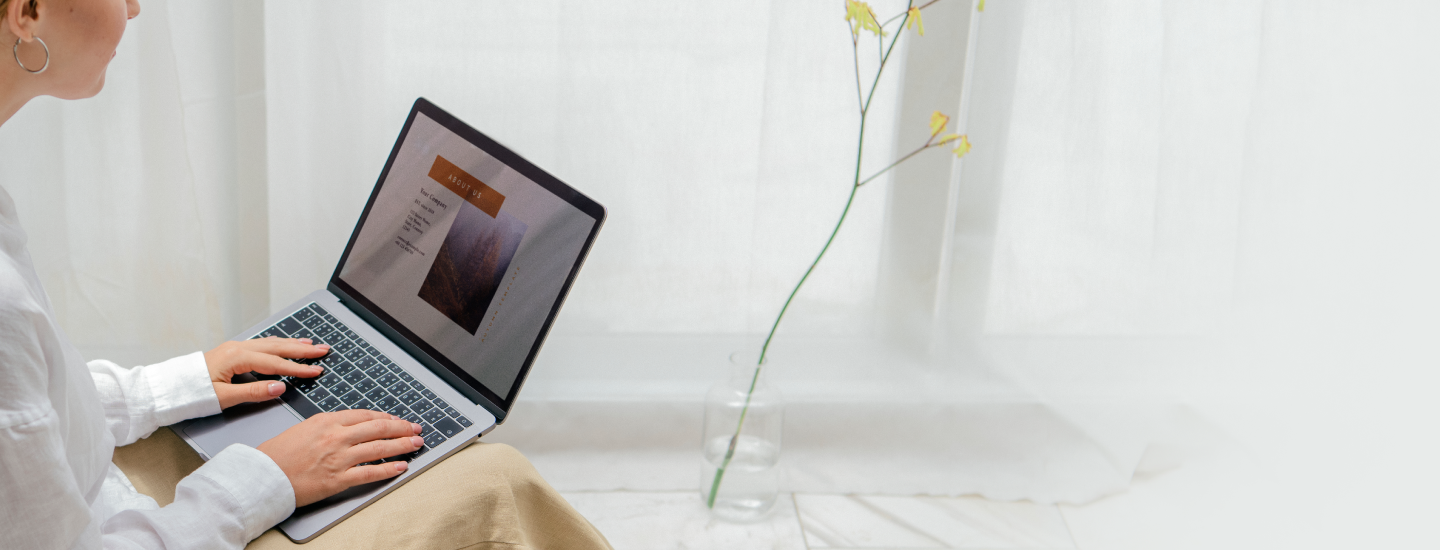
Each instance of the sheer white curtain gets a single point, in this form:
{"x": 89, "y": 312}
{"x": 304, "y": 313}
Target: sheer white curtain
{"x": 135, "y": 201}
{"x": 1226, "y": 205}
{"x": 719, "y": 136}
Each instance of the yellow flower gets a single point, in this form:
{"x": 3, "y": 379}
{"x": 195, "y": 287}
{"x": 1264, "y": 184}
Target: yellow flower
{"x": 937, "y": 123}
{"x": 963, "y": 148}
{"x": 947, "y": 138}
{"x": 915, "y": 20}
{"x": 862, "y": 17}
{"x": 981, "y": 7}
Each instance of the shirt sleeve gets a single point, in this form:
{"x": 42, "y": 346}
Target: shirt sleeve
{"x": 138, "y": 401}
{"x": 43, "y": 505}
{"x": 226, "y": 503}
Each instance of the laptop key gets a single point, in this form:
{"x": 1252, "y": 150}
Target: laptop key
{"x": 329, "y": 403}
{"x": 305, "y": 384}
{"x": 447, "y": 427}
{"x": 272, "y": 331}
{"x": 376, "y": 394}
{"x": 354, "y": 354}
{"x": 330, "y": 379}
{"x": 363, "y": 404}
{"x": 428, "y": 394}
{"x": 302, "y": 314}
{"x": 322, "y": 329}
{"x": 421, "y": 405}
{"x": 376, "y": 371}
{"x": 464, "y": 421}
{"x": 399, "y": 409}
{"x": 342, "y": 345}
{"x": 366, "y": 361}
{"x": 340, "y": 388}
{"x": 339, "y": 366}
{"x": 450, "y": 411}
{"x": 351, "y": 398}
{"x": 386, "y": 403}
{"x": 364, "y": 384}
{"x": 411, "y": 396}
{"x": 434, "y": 439}
{"x": 290, "y": 326}
{"x": 356, "y": 378}
{"x": 301, "y": 404}
{"x": 319, "y": 394}
{"x": 388, "y": 380}
{"x": 433, "y": 415}
{"x": 413, "y": 416}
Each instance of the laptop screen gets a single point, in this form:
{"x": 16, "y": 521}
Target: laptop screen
{"x": 467, "y": 251}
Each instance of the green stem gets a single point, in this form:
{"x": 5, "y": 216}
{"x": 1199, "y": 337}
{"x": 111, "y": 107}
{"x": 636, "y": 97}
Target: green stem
{"x": 897, "y": 163}
{"x": 854, "y": 188}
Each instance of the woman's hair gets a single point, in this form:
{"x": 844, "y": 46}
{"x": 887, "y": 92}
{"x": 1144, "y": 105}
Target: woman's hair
{"x": 5, "y": 6}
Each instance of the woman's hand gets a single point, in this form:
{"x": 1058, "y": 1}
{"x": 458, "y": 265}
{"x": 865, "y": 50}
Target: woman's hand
{"x": 320, "y": 454}
{"x": 265, "y": 356}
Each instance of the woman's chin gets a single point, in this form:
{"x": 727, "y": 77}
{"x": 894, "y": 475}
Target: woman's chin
{"x": 84, "y": 92}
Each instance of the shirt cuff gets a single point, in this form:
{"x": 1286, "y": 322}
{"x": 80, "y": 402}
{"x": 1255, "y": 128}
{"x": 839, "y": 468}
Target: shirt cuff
{"x": 182, "y": 389}
{"x": 262, "y": 492}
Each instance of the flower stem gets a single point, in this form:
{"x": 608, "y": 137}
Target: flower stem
{"x": 854, "y": 188}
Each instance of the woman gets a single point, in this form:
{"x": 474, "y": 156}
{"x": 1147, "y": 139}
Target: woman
{"x": 61, "y": 419}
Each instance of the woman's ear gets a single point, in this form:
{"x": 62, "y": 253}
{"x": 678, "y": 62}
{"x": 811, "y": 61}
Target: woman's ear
{"x": 21, "y": 16}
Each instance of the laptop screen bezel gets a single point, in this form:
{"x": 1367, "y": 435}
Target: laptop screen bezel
{"x": 422, "y": 351}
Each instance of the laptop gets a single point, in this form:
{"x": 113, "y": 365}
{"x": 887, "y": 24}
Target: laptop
{"x": 450, "y": 282}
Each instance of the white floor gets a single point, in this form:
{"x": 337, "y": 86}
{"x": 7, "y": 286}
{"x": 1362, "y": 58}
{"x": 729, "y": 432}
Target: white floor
{"x": 666, "y": 520}
{"x": 1219, "y": 503}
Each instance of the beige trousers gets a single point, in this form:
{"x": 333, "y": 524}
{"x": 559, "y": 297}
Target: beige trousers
{"x": 487, "y": 496}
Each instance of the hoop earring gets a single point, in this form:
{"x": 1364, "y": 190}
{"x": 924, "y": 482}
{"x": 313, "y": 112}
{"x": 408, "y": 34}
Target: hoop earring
{"x": 16, "y": 51}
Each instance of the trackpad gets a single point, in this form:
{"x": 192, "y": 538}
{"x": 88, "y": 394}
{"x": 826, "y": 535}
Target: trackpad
{"x": 249, "y": 424}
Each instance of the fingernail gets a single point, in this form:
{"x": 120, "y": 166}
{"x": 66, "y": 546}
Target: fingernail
{"x": 415, "y": 440}
{"x": 306, "y": 341}
{"x": 316, "y": 369}
{"x": 323, "y": 346}
{"x": 415, "y": 426}
{"x": 393, "y": 417}
{"x": 401, "y": 466}
{"x": 276, "y": 388}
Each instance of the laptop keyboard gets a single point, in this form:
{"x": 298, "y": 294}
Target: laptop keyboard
{"x": 357, "y": 376}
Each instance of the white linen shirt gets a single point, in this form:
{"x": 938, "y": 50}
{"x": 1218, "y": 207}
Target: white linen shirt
{"x": 60, "y": 420}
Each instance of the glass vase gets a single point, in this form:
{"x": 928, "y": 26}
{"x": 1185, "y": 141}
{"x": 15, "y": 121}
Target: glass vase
{"x": 749, "y": 477}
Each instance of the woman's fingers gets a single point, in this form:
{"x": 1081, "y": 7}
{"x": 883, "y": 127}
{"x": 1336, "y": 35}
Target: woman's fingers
{"x": 265, "y": 363}
{"x": 375, "y": 472}
{"x": 235, "y": 394}
{"x": 287, "y": 347}
{"x": 380, "y": 429}
{"x": 351, "y": 417}
{"x": 384, "y": 448}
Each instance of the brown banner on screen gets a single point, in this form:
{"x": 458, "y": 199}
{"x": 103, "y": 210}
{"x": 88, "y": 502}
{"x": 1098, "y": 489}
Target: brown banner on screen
{"x": 467, "y": 186}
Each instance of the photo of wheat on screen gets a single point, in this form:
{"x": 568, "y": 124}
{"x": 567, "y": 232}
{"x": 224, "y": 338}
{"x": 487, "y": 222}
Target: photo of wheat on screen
{"x": 471, "y": 265}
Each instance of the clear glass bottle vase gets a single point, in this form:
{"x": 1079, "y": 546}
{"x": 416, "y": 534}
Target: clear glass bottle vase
{"x": 750, "y": 482}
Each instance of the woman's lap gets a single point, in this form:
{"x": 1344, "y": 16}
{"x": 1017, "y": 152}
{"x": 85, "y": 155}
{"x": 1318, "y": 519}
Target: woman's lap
{"x": 482, "y": 496}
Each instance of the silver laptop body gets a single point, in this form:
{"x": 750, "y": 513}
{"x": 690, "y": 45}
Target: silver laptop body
{"x": 452, "y": 355}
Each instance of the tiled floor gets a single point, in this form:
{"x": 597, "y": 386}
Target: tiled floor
{"x": 672, "y": 520}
